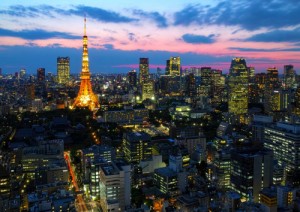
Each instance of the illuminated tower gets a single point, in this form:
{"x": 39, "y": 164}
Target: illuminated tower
{"x": 174, "y": 66}
{"x": 144, "y": 70}
{"x": 63, "y": 69}
{"x": 238, "y": 87}
{"x": 85, "y": 97}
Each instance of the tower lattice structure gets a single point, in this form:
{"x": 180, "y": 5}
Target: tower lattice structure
{"x": 86, "y": 96}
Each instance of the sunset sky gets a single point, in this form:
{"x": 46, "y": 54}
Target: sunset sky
{"x": 203, "y": 33}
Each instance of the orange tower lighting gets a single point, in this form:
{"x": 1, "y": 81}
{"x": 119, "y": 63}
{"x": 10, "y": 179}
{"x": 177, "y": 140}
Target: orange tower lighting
{"x": 85, "y": 97}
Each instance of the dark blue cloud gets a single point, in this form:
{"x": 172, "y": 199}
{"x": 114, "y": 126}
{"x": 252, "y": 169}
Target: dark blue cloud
{"x": 36, "y": 34}
{"x": 277, "y": 36}
{"x": 100, "y": 14}
{"x": 265, "y": 50}
{"x": 80, "y": 10}
{"x": 132, "y": 37}
{"x": 108, "y": 46}
{"x": 191, "y": 38}
{"x": 33, "y": 12}
{"x": 159, "y": 19}
{"x": 247, "y": 14}
{"x": 21, "y": 11}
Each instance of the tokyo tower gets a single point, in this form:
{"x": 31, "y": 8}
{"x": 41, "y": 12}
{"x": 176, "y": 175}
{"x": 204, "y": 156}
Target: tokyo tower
{"x": 85, "y": 97}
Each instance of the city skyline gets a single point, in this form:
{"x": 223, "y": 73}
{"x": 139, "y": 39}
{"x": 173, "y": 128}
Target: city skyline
{"x": 34, "y": 34}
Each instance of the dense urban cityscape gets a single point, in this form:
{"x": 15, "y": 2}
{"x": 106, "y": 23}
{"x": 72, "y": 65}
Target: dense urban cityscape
{"x": 178, "y": 139}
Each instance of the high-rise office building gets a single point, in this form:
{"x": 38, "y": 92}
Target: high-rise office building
{"x": 144, "y": 70}
{"x": 257, "y": 90}
{"x": 218, "y": 87}
{"x": 22, "y": 73}
{"x": 272, "y": 80}
{"x": 148, "y": 90}
{"x": 167, "y": 67}
{"x": 284, "y": 139}
{"x": 206, "y": 82}
{"x": 115, "y": 186}
{"x": 137, "y": 146}
{"x": 30, "y": 91}
{"x": 296, "y": 109}
{"x": 175, "y": 66}
{"x": 86, "y": 96}
{"x": 63, "y": 69}
{"x": 222, "y": 166}
{"x": 147, "y": 84}
{"x": 238, "y": 87}
{"x": 132, "y": 78}
{"x": 190, "y": 85}
{"x": 251, "y": 171}
{"x": 40, "y": 74}
{"x": 289, "y": 77}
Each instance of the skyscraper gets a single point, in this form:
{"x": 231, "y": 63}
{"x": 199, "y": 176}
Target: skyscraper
{"x": 144, "y": 70}
{"x": 238, "y": 87}
{"x": 272, "y": 80}
{"x": 40, "y": 74}
{"x": 251, "y": 171}
{"x": 86, "y": 96}
{"x": 22, "y": 72}
{"x": 174, "y": 66}
{"x": 132, "y": 78}
{"x": 206, "y": 81}
{"x": 272, "y": 91}
{"x": 63, "y": 69}
{"x": 190, "y": 85}
{"x": 147, "y": 84}
{"x": 284, "y": 139}
{"x": 289, "y": 76}
{"x": 167, "y": 67}
{"x": 137, "y": 146}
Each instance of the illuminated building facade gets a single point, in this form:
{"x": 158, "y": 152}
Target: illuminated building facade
{"x": 115, "y": 186}
{"x": 4, "y": 183}
{"x": 40, "y": 74}
{"x": 167, "y": 67}
{"x": 86, "y": 96}
{"x": 147, "y": 84}
{"x": 63, "y": 69}
{"x": 251, "y": 171}
{"x": 238, "y": 87}
{"x": 289, "y": 76}
{"x": 165, "y": 179}
{"x": 169, "y": 86}
{"x": 148, "y": 90}
{"x": 190, "y": 85}
{"x": 126, "y": 116}
{"x": 174, "y": 66}
{"x": 30, "y": 91}
{"x": 22, "y": 73}
{"x": 144, "y": 70}
{"x": 296, "y": 109}
{"x": 222, "y": 165}
{"x": 272, "y": 80}
{"x": 206, "y": 82}
{"x": 137, "y": 146}
{"x": 257, "y": 94}
{"x": 284, "y": 139}
{"x": 218, "y": 87}
{"x": 132, "y": 78}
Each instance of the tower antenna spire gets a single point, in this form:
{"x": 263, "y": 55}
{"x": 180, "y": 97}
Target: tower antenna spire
{"x": 84, "y": 25}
